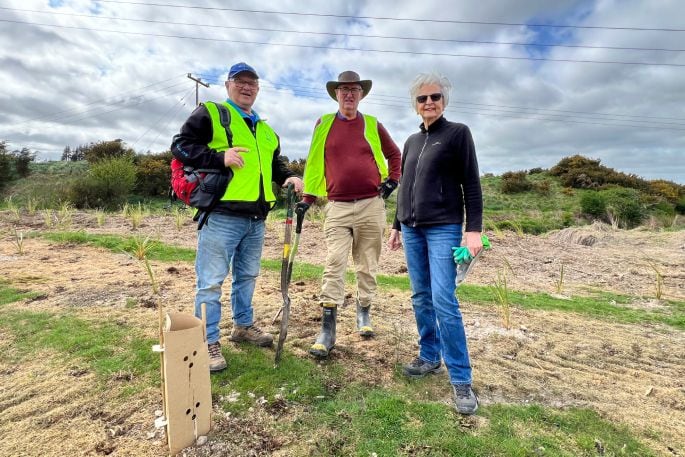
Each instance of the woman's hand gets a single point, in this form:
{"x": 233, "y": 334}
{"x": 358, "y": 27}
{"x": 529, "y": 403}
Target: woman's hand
{"x": 473, "y": 243}
{"x": 395, "y": 240}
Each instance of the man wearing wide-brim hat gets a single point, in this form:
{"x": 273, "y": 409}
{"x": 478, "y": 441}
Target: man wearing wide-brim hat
{"x": 353, "y": 162}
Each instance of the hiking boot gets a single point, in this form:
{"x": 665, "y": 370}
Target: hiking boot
{"x": 418, "y": 368}
{"x": 364, "y": 326}
{"x": 216, "y": 359}
{"x": 251, "y": 334}
{"x": 465, "y": 400}
{"x": 326, "y": 340}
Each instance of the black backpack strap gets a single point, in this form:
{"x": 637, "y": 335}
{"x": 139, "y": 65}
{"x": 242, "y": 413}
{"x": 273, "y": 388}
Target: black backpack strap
{"x": 225, "y": 119}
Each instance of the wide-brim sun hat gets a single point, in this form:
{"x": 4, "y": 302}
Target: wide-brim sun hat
{"x": 348, "y": 77}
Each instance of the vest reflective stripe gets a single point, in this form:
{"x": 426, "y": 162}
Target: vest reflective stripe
{"x": 315, "y": 175}
{"x": 245, "y": 184}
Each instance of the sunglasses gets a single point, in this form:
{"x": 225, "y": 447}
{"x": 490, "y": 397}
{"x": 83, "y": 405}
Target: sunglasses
{"x": 424, "y": 98}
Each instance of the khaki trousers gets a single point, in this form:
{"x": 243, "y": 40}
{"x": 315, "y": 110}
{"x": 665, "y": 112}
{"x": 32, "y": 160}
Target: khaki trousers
{"x": 358, "y": 225}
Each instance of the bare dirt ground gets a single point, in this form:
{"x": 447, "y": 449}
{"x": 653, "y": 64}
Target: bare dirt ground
{"x": 630, "y": 374}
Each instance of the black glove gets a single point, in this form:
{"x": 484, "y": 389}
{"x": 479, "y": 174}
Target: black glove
{"x": 387, "y": 187}
{"x": 301, "y": 207}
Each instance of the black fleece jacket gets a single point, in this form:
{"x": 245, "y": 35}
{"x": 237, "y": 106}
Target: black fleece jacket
{"x": 440, "y": 178}
{"x": 190, "y": 147}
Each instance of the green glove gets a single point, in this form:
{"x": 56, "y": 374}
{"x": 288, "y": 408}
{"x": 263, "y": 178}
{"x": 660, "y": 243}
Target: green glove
{"x": 462, "y": 255}
{"x": 486, "y": 242}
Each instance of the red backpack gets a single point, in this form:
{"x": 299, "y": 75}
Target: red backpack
{"x": 202, "y": 188}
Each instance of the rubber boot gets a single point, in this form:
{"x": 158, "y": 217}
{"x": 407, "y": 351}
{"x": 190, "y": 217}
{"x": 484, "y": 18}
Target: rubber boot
{"x": 364, "y": 326}
{"x": 326, "y": 340}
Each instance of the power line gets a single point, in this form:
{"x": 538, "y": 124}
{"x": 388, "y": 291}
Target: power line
{"x": 387, "y": 18}
{"x": 318, "y": 93}
{"x": 349, "y": 35}
{"x": 396, "y": 97}
{"x": 515, "y": 115}
{"x": 102, "y": 102}
{"x": 166, "y": 113}
{"x": 342, "y": 48}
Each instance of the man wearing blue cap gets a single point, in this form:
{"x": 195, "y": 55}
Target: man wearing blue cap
{"x": 232, "y": 238}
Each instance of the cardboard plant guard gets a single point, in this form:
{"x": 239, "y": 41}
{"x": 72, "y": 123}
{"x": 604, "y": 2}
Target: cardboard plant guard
{"x": 186, "y": 389}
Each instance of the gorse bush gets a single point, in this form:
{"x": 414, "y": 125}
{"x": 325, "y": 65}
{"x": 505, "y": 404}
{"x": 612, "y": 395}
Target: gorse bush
{"x": 96, "y": 152}
{"x": 669, "y": 190}
{"x": 153, "y": 174}
{"x": 514, "y": 182}
{"x": 108, "y": 184}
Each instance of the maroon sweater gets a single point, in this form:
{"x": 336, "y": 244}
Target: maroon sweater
{"x": 349, "y": 165}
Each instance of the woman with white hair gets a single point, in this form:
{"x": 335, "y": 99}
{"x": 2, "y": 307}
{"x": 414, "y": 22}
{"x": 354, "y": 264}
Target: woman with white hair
{"x": 440, "y": 184}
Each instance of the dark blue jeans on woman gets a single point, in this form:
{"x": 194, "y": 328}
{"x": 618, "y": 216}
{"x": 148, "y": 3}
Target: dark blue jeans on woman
{"x": 432, "y": 273}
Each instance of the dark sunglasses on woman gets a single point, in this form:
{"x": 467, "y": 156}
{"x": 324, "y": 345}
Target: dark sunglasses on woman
{"x": 434, "y": 97}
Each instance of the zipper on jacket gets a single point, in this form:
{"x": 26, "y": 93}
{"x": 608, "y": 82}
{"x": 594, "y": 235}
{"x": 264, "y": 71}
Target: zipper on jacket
{"x": 413, "y": 188}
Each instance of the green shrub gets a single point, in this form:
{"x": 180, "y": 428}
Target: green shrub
{"x": 107, "y": 150}
{"x": 153, "y": 174}
{"x": 107, "y": 185}
{"x": 514, "y": 182}
{"x": 5, "y": 166}
{"x": 22, "y": 159}
{"x": 680, "y": 206}
{"x": 593, "y": 204}
{"x": 625, "y": 205}
{"x": 536, "y": 170}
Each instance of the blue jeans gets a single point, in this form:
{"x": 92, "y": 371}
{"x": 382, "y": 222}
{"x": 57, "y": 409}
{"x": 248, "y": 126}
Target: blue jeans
{"x": 227, "y": 242}
{"x": 432, "y": 273}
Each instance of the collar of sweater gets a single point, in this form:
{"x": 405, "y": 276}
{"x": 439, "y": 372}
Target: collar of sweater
{"x": 434, "y": 126}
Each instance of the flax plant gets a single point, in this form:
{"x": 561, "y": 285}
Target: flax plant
{"x": 19, "y": 241}
{"x": 399, "y": 335}
{"x": 140, "y": 250}
{"x": 65, "y": 215}
{"x": 141, "y": 247}
{"x": 124, "y": 210}
{"x": 179, "y": 218}
{"x": 136, "y": 215}
{"x": 31, "y": 205}
{"x": 48, "y": 217}
{"x": 659, "y": 282}
{"x": 559, "y": 283}
{"x": 100, "y": 217}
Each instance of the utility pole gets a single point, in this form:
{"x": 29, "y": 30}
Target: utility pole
{"x": 197, "y": 85}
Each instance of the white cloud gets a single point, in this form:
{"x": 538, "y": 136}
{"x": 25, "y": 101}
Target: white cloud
{"x": 67, "y": 86}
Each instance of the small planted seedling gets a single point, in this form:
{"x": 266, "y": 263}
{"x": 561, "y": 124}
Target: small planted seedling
{"x": 48, "y": 217}
{"x": 559, "y": 282}
{"x": 65, "y": 215}
{"x": 501, "y": 293}
{"x": 19, "y": 241}
{"x": 100, "y": 217}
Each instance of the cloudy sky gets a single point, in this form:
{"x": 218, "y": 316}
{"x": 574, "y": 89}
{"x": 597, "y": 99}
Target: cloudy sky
{"x": 609, "y": 84}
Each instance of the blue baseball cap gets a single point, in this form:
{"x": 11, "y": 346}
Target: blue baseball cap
{"x": 241, "y": 67}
